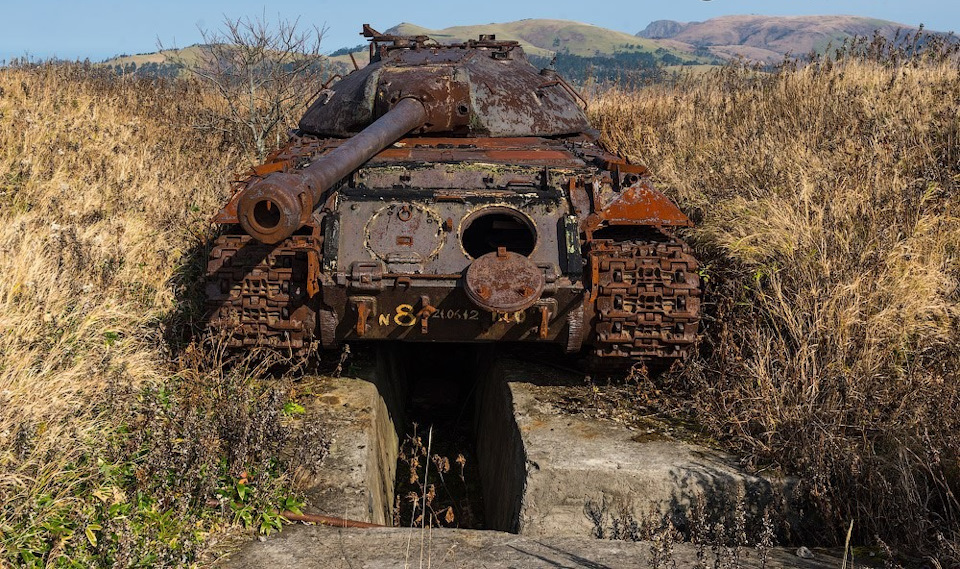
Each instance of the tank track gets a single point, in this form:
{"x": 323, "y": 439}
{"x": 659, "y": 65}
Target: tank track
{"x": 647, "y": 301}
{"x": 262, "y": 295}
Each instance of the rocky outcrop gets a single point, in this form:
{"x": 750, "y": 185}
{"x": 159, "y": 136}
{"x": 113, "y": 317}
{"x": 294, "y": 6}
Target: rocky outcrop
{"x": 663, "y": 29}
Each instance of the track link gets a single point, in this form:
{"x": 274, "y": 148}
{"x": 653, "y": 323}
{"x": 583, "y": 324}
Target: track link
{"x": 647, "y": 301}
{"x": 263, "y": 295}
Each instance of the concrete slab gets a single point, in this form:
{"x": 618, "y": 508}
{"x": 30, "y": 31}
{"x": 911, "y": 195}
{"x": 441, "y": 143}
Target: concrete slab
{"x": 543, "y": 469}
{"x": 314, "y": 547}
{"x": 542, "y": 465}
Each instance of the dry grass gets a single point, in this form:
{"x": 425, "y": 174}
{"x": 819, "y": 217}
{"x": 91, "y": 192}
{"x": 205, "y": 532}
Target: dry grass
{"x": 827, "y": 201}
{"x": 109, "y": 444}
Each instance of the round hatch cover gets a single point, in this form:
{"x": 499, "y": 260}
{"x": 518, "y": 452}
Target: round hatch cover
{"x": 404, "y": 230}
{"x": 504, "y": 281}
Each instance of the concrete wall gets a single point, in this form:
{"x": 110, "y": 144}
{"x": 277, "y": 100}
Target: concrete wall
{"x": 499, "y": 450}
{"x": 550, "y": 472}
{"x": 359, "y": 416}
{"x": 391, "y": 386}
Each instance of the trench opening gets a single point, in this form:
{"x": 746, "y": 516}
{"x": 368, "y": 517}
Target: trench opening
{"x": 481, "y": 406}
{"x": 441, "y": 487}
{"x": 495, "y": 227}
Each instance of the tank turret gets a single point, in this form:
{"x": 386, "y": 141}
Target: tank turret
{"x": 484, "y": 88}
{"x": 452, "y": 193}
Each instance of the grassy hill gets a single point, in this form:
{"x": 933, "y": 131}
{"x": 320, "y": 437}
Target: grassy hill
{"x": 578, "y": 50}
{"x": 539, "y": 38}
{"x": 173, "y": 62}
{"x": 769, "y": 38}
{"x": 166, "y": 62}
{"x": 188, "y": 55}
{"x": 583, "y": 50}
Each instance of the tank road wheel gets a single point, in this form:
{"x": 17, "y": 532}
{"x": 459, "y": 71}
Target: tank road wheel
{"x": 647, "y": 302}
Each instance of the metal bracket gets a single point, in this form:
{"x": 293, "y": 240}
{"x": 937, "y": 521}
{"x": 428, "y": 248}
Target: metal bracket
{"x": 426, "y": 311}
{"x": 366, "y": 276}
{"x": 364, "y": 307}
{"x": 548, "y": 309}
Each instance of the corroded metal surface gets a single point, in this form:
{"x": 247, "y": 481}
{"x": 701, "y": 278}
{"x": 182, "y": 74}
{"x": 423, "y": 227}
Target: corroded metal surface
{"x": 470, "y": 203}
{"x": 484, "y": 87}
{"x": 273, "y": 208}
{"x": 646, "y": 299}
{"x": 504, "y": 281}
{"x": 261, "y": 295}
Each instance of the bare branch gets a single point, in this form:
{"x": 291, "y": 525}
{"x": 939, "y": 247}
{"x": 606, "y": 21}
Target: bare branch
{"x": 265, "y": 73}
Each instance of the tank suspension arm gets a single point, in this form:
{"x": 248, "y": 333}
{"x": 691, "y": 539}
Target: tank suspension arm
{"x": 273, "y": 208}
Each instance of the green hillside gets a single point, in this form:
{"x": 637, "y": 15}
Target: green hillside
{"x": 173, "y": 62}
{"x": 165, "y": 63}
{"x": 580, "y": 51}
{"x": 576, "y": 50}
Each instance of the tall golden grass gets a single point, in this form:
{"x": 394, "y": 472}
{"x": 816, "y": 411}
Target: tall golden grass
{"x": 827, "y": 202}
{"x": 105, "y": 198}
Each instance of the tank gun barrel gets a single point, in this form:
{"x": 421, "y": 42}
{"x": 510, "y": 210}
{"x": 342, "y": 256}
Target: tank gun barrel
{"x": 273, "y": 208}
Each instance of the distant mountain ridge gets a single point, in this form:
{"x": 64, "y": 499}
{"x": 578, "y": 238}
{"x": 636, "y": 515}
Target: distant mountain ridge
{"x": 769, "y": 39}
{"x": 580, "y": 50}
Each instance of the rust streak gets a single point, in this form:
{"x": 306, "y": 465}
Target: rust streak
{"x": 328, "y": 520}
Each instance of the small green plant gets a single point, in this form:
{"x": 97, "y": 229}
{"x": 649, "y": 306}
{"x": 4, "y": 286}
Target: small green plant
{"x": 110, "y": 337}
{"x": 250, "y": 508}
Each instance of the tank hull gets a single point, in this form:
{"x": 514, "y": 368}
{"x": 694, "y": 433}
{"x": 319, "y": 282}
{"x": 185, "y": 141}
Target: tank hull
{"x": 387, "y": 256}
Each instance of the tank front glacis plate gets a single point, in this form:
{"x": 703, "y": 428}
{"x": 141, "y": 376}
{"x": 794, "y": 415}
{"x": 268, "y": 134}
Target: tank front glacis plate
{"x": 407, "y": 233}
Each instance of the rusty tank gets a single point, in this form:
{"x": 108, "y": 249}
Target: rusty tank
{"x": 452, "y": 193}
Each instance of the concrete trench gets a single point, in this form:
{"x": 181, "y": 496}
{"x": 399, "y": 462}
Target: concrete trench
{"x": 545, "y": 473}
{"x": 358, "y": 414}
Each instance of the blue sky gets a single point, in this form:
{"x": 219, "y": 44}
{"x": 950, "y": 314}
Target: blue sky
{"x": 75, "y": 29}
